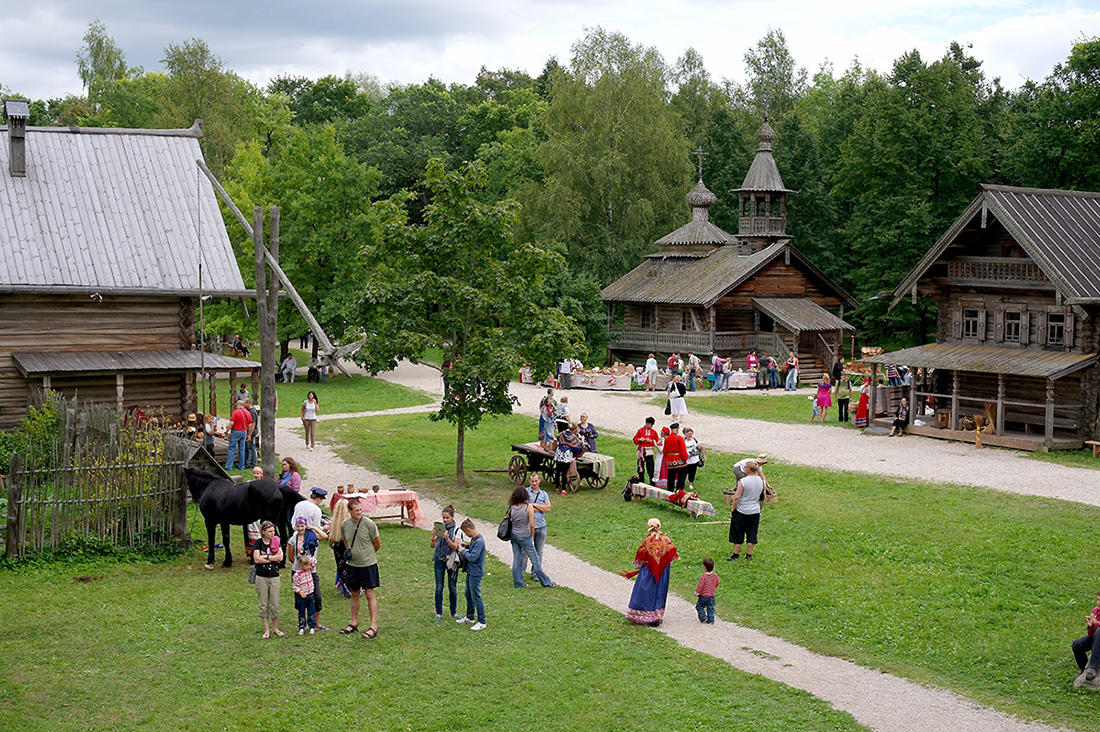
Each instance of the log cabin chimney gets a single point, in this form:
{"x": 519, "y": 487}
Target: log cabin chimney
{"x": 16, "y": 112}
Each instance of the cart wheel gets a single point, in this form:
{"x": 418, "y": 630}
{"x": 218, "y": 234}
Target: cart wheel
{"x": 517, "y": 469}
{"x": 597, "y": 482}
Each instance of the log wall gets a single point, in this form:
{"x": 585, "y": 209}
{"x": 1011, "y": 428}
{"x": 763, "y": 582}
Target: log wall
{"x": 777, "y": 279}
{"x": 72, "y": 323}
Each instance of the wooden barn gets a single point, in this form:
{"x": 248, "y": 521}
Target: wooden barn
{"x": 101, "y": 234}
{"x": 1016, "y": 280}
{"x": 706, "y": 291}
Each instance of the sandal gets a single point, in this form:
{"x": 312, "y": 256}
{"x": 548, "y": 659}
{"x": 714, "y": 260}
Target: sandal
{"x": 349, "y": 630}
{"x": 279, "y": 633}
{"x": 371, "y": 633}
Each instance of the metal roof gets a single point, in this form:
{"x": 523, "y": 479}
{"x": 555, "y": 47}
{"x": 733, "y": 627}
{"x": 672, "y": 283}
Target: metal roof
{"x": 1059, "y": 230}
{"x": 799, "y": 314}
{"x": 988, "y": 359}
{"x": 112, "y": 210}
{"x": 88, "y": 362}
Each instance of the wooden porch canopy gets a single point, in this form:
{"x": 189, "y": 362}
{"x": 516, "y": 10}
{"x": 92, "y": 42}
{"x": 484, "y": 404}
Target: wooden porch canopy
{"x": 955, "y": 358}
{"x": 798, "y": 314}
{"x": 988, "y": 359}
{"x": 45, "y": 366}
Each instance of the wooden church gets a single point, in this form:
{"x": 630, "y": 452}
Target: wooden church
{"x": 707, "y": 291}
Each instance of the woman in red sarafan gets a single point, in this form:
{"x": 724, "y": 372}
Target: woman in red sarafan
{"x": 653, "y": 559}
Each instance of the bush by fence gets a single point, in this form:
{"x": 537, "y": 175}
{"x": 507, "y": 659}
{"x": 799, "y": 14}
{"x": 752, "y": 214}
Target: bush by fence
{"x": 104, "y": 475}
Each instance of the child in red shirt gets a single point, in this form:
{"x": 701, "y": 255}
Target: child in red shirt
{"x": 706, "y": 590}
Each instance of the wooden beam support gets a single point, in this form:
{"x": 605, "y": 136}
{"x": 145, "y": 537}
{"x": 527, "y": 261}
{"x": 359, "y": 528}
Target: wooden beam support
{"x": 872, "y": 402}
{"x": 1048, "y": 442}
{"x": 120, "y": 391}
{"x": 1000, "y": 404}
{"x": 954, "y": 399}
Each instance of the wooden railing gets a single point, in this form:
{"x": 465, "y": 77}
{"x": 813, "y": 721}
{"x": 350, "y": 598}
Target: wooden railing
{"x": 761, "y": 226}
{"x": 995, "y": 270}
{"x": 667, "y": 341}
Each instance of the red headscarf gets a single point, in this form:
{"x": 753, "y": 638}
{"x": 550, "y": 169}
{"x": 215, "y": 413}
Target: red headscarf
{"x": 656, "y": 552}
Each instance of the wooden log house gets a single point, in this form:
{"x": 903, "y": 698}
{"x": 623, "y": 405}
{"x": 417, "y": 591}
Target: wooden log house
{"x": 1016, "y": 280}
{"x": 100, "y": 238}
{"x": 706, "y": 291}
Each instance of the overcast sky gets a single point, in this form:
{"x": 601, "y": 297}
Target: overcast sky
{"x": 409, "y": 40}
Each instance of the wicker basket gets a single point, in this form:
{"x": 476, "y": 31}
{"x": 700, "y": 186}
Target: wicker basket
{"x": 727, "y": 496}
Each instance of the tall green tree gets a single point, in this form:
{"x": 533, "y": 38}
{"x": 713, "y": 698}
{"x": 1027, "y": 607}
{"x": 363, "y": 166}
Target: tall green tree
{"x": 101, "y": 62}
{"x": 615, "y": 157}
{"x": 460, "y": 283}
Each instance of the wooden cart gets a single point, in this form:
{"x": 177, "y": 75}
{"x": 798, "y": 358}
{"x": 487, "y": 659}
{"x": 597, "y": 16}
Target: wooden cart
{"x": 531, "y": 458}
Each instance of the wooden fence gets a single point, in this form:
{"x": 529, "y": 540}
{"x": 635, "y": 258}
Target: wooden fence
{"x": 105, "y": 476}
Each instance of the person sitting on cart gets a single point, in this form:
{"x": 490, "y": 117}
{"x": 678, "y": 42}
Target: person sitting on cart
{"x": 569, "y": 446}
{"x": 588, "y": 433}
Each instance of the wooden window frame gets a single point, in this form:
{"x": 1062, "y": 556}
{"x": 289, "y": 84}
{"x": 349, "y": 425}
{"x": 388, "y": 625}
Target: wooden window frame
{"x": 1057, "y": 328}
{"x": 972, "y": 325}
{"x": 1009, "y": 325}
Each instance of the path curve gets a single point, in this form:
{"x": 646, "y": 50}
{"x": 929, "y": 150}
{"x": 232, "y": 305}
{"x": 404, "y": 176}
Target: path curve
{"x": 881, "y": 701}
{"x": 815, "y": 445}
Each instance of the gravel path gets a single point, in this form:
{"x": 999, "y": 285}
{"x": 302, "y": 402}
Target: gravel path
{"x": 815, "y": 445}
{"x": 878, "y": 700}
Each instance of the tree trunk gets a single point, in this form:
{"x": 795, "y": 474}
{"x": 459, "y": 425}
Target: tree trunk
{"x": 284, "y": 350}
{"x": 460, "y": 474}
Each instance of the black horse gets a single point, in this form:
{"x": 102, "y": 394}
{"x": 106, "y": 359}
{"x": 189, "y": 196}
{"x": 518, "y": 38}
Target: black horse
{"x": 224, "y": 502}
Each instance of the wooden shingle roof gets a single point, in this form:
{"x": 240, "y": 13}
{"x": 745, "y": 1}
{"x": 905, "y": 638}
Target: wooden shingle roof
{"x": 1059, "y": 230}
{"x": 109, "y": 210}
{"x": 799, "y": 313}
{"x": 987, "y": 359}
{"x": 703, "y": 281}
{"x": 116, "y": 362}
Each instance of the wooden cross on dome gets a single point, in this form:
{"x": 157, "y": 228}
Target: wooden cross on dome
{"x": 699, "y": 154}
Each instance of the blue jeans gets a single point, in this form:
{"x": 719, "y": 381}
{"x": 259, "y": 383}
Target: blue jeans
{"x": 726, "y": 380}
{"x": 474, "y": 602}
{"x": 306, "y": 615}
{"x": 520, "y": 547}
{"x": 236, "y": 447}
{"x": 540, "y": 542}
{"x": 773, "y": 378}
{"x": 705, "y": 608}
{"x": 250, "y": 452}
{"x": 452, "y": 586}
{"x": 717, "y": 382}
{"x": 792, "y": 380}
{"x": 691, "y": 382}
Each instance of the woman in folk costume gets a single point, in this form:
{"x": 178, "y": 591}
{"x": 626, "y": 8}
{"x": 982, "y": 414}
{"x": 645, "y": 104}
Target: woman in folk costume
{"x": 662, "y": 476}
{"x": 861, "y": 407}
{"x": 653, "y": 560}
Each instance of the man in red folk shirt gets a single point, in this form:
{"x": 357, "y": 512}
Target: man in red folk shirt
{"x": 646, "y": 439}
{"x": 676, "y": 454}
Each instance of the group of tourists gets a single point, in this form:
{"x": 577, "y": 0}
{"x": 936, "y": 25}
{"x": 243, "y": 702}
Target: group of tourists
{"x": 566, "y": 439}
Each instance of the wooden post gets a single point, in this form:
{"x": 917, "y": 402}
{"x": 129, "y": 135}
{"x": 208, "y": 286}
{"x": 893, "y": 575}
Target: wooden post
{"x": 913, "y": 396}
{"x": 873, "y": 400}
{"x": 179, "y": 528}
{"x": 120, "y": 390}
{"x": 1049, "y": 441}
{"x": 213, "y": 385}
{"x": 1000, "y": 404}
{"x": 13, "y": 544}
{"x": 954, "y": 400}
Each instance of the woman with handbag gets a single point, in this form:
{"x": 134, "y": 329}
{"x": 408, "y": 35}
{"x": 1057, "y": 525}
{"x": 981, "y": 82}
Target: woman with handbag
{"x": 521, "y": 515}
{"x": 569, "y": 445}
{"x": 338, "y": 544}
{"x": 441, "y": 536}
{"x": 677, "y": 407}
{"x": 653, "y": 560}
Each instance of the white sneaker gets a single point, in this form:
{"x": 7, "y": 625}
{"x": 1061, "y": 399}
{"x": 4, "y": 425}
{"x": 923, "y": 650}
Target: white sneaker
{"x": 478, "y": 626}
{"x": 312, "y": 631}
{"x": 301, "y": 631}
{"x": 464, "y": 620}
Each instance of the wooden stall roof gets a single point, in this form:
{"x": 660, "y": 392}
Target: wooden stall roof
{"x": 800, "y": 314}
{"x": 988, "y": 359}
{"x": 90, "y": 362}
{"x": 704, "y": 281}
{"x": 1059, "y": 230}
{"x": 110, "y": 210}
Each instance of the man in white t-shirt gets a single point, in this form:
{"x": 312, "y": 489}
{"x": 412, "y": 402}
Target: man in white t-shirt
{"x": 310, "y": 508}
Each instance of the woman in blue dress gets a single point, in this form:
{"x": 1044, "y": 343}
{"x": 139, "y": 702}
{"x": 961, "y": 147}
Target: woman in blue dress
{"x": 653, "y": 559}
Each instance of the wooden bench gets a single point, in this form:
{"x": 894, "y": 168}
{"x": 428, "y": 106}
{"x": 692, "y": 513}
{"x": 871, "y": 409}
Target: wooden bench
{"x": 694, "y": 508}
{"x": 1095, "y": 447}
{"x": 1037, "y": 419}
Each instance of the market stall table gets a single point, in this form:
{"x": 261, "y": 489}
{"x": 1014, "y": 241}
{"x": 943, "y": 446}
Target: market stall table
{"x": 406, "y": 501}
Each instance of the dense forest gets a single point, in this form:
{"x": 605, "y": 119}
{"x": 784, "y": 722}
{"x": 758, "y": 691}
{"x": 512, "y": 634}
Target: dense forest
{"x": 597, "y": 154}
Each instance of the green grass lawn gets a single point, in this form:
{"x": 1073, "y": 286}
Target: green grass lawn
{"x": 1069, "y": 458}
{"x": 341, "y": 394}
{"x": 171, "y": 647}
{"x": 977, "y": 591}
{"x": 777, "y": 406}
